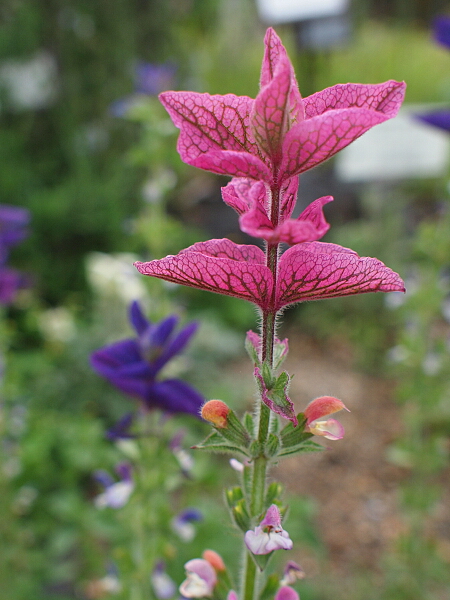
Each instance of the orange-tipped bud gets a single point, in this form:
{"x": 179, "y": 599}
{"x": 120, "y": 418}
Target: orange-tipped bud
{"x": 215, "y": 412}
{"x": 215, "y": 560}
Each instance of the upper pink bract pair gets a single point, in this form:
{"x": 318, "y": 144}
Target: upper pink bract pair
{"x": 264, "y": 143}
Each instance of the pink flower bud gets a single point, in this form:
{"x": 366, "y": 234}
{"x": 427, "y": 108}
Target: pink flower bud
{"x": 215, "y": 412}
{"x": 215, "y": 560}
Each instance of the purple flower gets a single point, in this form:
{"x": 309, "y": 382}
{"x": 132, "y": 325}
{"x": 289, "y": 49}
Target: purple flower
{"x": 133, "y": 365}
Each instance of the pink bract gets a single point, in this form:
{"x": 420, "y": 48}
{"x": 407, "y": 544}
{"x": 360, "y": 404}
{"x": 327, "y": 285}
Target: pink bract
{"x": 250, "y": 200}
{"x": 308, "y": 271}
{"x": 277, "y": 135}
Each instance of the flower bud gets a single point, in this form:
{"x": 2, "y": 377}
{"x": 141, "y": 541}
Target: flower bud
{"x": 214, "y": 559}
{"x": 215, "y": 412}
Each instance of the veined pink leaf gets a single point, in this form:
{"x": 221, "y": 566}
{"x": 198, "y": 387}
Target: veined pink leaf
{"x": 309, "y": 274}
{"x": 270, "y": 112}
{"x": 274, "y": 52}
{"x": 381, "y": 97}
{"x": 210, "y": 122}
{"x": 315, "y": 140}
{"x": 217, "y": 266}
{"x": 236, "y": 164}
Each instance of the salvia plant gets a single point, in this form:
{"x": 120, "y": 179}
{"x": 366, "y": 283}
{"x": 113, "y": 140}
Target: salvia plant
{"x": 264, "y": 144}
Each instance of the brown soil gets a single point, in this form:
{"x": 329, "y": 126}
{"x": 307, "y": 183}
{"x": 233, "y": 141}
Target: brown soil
{"x": 354, "y": 486}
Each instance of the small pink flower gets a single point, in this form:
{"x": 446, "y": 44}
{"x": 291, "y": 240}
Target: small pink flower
{"x": 200, "y": 581}
{"x": 269, "y": 535}
{"x": 322, "y": 407}
{"x": 251, "y": 199}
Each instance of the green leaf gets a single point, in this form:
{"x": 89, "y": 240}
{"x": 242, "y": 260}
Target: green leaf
{"x": 306, "y": 446}
{"x": 267, "y": 375}
{"x": 216, "y": 443}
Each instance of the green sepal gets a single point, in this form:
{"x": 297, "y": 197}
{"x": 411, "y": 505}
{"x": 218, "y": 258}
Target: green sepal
{"x": 255, "y": 449}
{"x": 291, "y": 435}
{"x": 235, "y": 431}
{"x": 241, "y": 516}
{"x": 238, "y": 507}
{"x": 271, "y": 587}
{"x": 249, "y": 424}
{"x": 272, "y": 445}
{"x": 280, "y": 351}
{"x": 216, "y": 443}
{"x": 273, "y": 494}
{"x": 234, "y": 495}
{"x": 296, "y": 439}
{"x": 252, "y": 352}
{"x": 247, "y": 480}
{"x": 268, "y": 376}
{"x": 261, "y": 560}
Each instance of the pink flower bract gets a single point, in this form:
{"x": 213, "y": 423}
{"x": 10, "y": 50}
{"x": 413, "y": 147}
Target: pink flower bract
{"x": 277, "y": 135}
{"x": 309, "y": 271}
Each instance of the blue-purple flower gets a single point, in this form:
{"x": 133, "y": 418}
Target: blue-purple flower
{"x": 134, "y": 365}
{"x": 440, "y": 118}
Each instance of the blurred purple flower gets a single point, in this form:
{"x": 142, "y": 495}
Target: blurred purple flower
{"x": 13, "y": 230}
{"x": 441, "y": 30}
{"x": 163, "y": 586}
{"x": 150, "y": 79}
{"x": 116, "y": 493}
{"x": 133, "y": 365}
{"x": 439, "y": 118}
{"x": 183, "y": 526}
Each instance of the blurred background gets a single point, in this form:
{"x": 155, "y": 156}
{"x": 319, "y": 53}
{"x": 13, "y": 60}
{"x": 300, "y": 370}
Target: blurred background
{"x": 88, "y": 151}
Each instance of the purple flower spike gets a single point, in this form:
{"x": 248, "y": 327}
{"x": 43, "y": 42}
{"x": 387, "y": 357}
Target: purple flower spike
{"x": 269, "y": 535}
{"x": 163, "y": 586}
{"x": 133, "y": 365}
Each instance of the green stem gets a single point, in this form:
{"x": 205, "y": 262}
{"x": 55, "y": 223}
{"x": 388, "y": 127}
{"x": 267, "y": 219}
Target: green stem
{"x": 261, "y": 463}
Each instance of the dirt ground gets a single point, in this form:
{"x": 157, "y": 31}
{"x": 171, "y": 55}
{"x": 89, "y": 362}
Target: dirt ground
{"x": 354, "y": 486}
